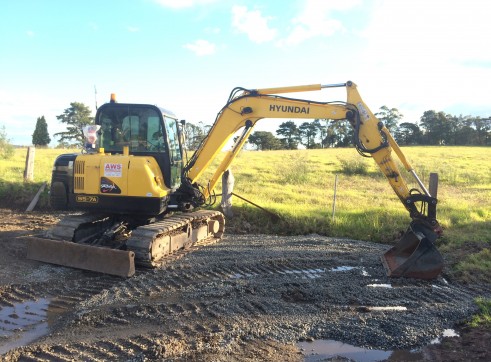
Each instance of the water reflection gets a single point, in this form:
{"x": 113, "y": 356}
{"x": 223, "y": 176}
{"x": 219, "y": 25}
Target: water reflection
{"x": 320, "y": 350}
{"x": 23, "y": 323}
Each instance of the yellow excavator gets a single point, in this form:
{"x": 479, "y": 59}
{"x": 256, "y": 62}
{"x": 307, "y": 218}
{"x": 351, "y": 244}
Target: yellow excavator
{"x": 141, "y": 200}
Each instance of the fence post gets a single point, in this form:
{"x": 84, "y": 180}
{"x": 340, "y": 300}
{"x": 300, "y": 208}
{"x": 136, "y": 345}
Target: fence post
{"x": 334, "y": 197}
{"x": 228, "y": 181}
{"x": 29, "y": 169}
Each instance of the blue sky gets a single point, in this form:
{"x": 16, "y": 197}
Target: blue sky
{"x": 187, "y": 55}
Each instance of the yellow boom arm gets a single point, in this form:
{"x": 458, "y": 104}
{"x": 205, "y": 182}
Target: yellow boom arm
{"x": 246, "y": 107}
{"x": 415, "y": 254}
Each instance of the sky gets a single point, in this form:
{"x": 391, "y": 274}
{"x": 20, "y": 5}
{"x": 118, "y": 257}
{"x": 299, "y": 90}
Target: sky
{"x": 187, "y": 55}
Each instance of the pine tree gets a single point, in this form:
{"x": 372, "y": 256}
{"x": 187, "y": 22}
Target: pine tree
{"x": 76, "y": 117}
{"x": 290, "y": 133}
{"x": 264, "y": 140}
{"x": 40, "y": 137}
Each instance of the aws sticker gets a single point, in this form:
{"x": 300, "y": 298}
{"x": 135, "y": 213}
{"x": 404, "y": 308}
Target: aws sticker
{"x": 109, "y": 187}
{"x": 113, "y": 169}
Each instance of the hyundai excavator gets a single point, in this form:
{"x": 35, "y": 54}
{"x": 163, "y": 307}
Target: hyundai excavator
{"x": 141, "y": 201}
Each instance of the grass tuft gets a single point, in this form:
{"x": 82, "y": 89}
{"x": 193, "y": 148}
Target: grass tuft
{"x": 475, "y": 266}
{"x": 353, "y": 167}
{"x": 296, "y": 171}
{"x": 483, "y": 317}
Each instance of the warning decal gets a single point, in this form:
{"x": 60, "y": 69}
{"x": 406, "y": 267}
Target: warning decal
{"x": 113, "y": 169}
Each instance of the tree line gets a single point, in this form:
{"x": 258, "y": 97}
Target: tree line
{"x": 433, "y": 128}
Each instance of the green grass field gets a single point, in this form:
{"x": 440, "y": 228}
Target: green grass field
{"x": 14, "y": 192}
{"x": 299, "y": 186}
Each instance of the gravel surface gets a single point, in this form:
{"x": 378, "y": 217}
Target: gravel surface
{"x": 291, "y": 288}
{"x": 245, "y": 298}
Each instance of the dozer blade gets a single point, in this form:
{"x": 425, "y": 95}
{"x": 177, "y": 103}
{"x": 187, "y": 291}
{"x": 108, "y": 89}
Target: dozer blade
{"x": 415, "y": 255}
{"x": 81, "y": 256}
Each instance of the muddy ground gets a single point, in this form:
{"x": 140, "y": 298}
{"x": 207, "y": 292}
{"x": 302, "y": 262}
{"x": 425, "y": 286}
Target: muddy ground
{"x": 246, "y": 298}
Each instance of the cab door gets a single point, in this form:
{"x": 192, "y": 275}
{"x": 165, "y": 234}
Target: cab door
{"x": 175, "y": 151}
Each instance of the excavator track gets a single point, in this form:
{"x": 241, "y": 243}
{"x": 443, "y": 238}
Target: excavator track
{"x": 154, "y": 242}
{"x": 72, "y": 227}
{"x": 148, "y": 245}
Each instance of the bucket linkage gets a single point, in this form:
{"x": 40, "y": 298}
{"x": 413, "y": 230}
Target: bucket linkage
{"x": 415, "y": 254}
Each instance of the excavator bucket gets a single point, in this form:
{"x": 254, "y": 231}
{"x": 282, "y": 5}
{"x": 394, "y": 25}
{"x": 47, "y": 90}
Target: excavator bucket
{"x": 415, "y": 255}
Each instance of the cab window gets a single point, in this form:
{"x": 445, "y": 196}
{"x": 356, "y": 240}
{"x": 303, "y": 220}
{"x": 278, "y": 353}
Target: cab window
{"x": 139, "y": 128}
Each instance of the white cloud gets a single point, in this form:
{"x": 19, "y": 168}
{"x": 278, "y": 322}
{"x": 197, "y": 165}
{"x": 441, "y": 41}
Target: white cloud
{"x": 201, "y": 47}
{"x": 253, "y": 24}
{"x": 19, "y": 112}
{"x": 212, "y": 30}
{"x": 133, "y": 29}
{"x": 444, "y": 30}
{"x": 30, "y": 33}
{"x": 180, "y": 4}
{"x": 316, "y": 19}
{"x": 426, "y": 52}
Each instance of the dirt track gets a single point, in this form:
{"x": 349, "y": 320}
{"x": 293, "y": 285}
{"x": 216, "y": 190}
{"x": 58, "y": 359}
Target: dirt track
{"x": 246, "y": 298}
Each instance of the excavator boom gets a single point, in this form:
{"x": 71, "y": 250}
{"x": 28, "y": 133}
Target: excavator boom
{"x": 245, "y": 108}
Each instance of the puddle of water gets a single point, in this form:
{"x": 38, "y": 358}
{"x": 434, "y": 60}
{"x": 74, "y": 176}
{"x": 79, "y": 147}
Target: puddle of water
{"x": 392, "y": 308}
{"x": 310, "y": 273}
{"x": 314, "y": 273}
{"x": 236, "y": 276}
{"x": 348, "y": 268}
{"x": 379, "y": 285}
{"x": 446, "y": 333}
{"x": 320, "y": 350}
{"x": 23, "y": 323}
{"x": 342, "y": 268}
{"x": 450, "y": 333}
{"x": 303, "y": 273}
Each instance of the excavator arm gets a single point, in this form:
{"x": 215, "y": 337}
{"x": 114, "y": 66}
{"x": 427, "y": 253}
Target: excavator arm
{"x": 245, "y": 108}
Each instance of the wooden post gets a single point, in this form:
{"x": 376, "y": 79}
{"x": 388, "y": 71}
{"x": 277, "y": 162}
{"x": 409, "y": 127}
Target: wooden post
{"x": 36, "y": 198}
{"x": 334, "y": 197}
{"x": 228, "y": 181}
{"x": 433, "y": 187}
{"x": 29, "y": 169}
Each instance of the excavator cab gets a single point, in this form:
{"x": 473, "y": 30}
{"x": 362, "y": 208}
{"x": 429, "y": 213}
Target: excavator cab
{"x": 146, "y": 130}
{"x": 131, "y": 165}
